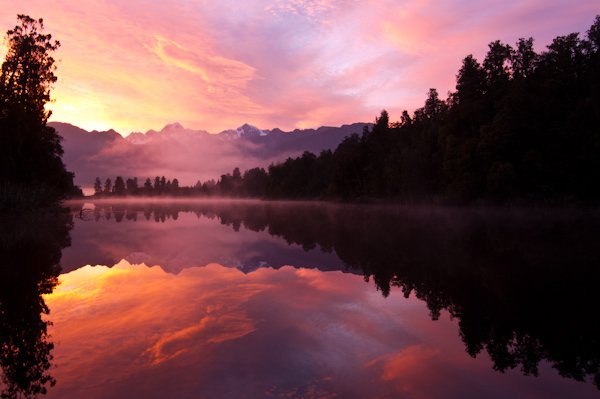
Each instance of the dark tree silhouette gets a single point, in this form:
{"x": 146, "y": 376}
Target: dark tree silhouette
{"x": 132, "y": 186}
{"x": 30, "y": 253}
{"x": 31, "y": 168}
{"x": 108, "y": 186}
{"x": 119, "y": 187}
{"x": 521, "y": 127}
{"x": 97, "y": 186}
{"x": 522, "y": 283}
{"x": 148, "y": 187}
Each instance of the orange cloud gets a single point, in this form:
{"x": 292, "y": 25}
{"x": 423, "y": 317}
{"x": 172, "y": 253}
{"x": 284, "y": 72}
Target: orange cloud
{"x": 409, "y": 361}
{"x": 212, "y": 69}
{"x": 210, "y": 329}
{"x": 287, "y": 64}
{"x": 137, "y": 331}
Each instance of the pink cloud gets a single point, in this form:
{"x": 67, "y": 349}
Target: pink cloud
{"x": 291, "y": 63}
{"x": 215, "y": 332}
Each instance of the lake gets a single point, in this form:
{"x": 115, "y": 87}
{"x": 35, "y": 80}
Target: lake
{"x": 251, "y": 299}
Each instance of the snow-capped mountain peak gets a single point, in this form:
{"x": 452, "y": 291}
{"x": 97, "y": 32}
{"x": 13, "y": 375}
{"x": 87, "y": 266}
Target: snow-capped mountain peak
{"x": 244, "y": 131}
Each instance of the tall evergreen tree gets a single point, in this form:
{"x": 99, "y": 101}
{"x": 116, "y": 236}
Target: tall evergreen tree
{"x": 31, "y": 160}
{"x": 148, "y": 186}
{"x": 108, "y": 186}
{"x": 97, "y": 186}
{"x": 119, "y": 188}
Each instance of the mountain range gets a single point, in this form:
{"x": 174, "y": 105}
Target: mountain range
{"x": 190, "y": 240}
{"x": 187, "y": 154}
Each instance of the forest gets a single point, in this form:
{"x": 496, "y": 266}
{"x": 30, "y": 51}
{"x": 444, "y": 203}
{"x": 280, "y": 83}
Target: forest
{"x": 521, "y": 127}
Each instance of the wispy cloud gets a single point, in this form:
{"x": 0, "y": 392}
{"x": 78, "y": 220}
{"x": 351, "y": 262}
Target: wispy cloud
{"x": 134, "y": 65}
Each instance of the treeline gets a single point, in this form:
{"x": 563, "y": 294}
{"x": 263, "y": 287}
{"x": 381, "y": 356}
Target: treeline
{"x": 521, "y": 284}
{"x": 250, "y": 184}
{"x": 520, "y": 126}
{"x": 131, "y": 186}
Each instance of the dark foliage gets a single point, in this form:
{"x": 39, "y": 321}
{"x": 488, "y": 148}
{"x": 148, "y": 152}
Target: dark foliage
{"x": 30, "y": 251}
{"x": 521, "y": 283}
{"x": 131, "y": 187}
{"x": 521, "y": 127}
{"x": 31, "y": 167}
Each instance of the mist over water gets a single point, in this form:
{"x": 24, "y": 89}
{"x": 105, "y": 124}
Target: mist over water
{"x": 185, "y": 154}
{"x": 129, "y": 293}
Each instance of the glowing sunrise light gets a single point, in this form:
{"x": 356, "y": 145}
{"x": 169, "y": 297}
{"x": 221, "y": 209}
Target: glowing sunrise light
{"x": 3, "y": 49}
{"x": 288, "y": 64}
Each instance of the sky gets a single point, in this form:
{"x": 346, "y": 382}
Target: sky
{"x": 134, "y": 65}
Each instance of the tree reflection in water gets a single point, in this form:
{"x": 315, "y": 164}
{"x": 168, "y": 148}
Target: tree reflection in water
{"x": 30, "y": 249}
{"x": 521, "y": 283}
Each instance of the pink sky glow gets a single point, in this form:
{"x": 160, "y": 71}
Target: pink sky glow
{"x": 135, "y": 65}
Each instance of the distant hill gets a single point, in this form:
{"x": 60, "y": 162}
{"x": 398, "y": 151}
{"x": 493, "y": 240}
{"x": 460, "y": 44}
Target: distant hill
{"x": 187, "y": 154}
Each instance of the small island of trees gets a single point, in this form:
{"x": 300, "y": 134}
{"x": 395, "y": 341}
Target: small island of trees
{"x": 520, "y": 127}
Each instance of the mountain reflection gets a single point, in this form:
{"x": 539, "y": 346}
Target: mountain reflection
{"x": 521, "y": 283}
{"x": 30, "y": 250}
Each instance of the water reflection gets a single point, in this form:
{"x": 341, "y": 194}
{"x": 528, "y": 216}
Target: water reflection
{"x": 192, "y": 239}
{"x": 30, "y": 250}
{"x": 515, "y": 279}
{"x": 215, "y": 332}
{"x": 519, "y": 284}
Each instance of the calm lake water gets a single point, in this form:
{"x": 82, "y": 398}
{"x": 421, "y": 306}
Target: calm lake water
{"x": 289, "y": 300}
